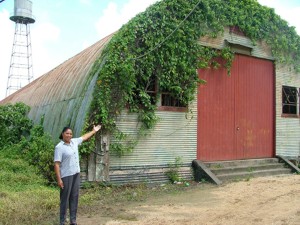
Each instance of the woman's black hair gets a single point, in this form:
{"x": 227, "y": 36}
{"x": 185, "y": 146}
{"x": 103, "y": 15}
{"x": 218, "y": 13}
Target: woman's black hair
{"x": 64, "y": 130}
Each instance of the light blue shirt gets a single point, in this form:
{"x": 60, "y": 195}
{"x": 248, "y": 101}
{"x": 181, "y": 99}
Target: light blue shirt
{"x": 67, "y": 155}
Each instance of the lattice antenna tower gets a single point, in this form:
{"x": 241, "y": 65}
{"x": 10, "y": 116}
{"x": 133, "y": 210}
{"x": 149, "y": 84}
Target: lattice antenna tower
{"x": 21, "y": 70}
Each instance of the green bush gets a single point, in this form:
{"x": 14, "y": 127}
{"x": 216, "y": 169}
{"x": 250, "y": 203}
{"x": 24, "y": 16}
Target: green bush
{"x": 14, "y": 123}
{"x": 16, "y": 173}
{"x": 25, "y": 140}
{"x": 39, "y": 151}
{"x": 24, "y": 196}
{"x": 26, "y": 159}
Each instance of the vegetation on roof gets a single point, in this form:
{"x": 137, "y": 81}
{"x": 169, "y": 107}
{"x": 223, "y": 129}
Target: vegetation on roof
{"x": 161, "y": 44}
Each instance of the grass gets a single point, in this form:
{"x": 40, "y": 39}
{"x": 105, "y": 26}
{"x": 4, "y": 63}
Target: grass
{"x": 26, "y": 199}
{"x": 35, "y": 206}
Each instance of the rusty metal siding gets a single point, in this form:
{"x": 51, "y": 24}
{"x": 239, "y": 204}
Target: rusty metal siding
{"x": 63, "y": 94}
{"x": 287, "y": 129}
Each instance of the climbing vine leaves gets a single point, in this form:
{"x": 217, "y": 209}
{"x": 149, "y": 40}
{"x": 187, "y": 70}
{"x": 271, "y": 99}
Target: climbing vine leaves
{"x": 162, "y": 44}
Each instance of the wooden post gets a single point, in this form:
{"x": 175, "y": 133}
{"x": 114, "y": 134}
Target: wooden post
{"x": 102, "y": 157}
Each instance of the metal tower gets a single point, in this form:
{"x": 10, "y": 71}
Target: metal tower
{"x": 21, "y": 70}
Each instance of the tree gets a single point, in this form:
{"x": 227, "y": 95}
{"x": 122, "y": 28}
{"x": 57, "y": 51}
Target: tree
{"x": 14, "y": 123}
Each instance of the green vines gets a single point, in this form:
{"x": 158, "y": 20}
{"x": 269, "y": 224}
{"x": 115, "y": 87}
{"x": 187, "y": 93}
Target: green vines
{"x": 161, "y": 44}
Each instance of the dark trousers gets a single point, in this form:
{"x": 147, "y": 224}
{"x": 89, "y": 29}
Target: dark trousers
{"x": 69, "y": 198}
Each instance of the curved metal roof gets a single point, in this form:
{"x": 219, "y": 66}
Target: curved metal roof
{"x": 63, "y": 94}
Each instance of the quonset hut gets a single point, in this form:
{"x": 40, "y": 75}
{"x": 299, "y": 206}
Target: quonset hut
{"x": 251, "y": 114}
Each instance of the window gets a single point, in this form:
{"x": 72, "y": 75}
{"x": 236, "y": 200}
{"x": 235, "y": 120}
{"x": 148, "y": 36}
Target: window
{"x": 167, "y": 101}
{"x": 171, "y": 103}
{"x": 290, "y": 100}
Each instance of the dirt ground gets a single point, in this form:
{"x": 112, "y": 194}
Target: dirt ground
{"x": 259, "y": 201}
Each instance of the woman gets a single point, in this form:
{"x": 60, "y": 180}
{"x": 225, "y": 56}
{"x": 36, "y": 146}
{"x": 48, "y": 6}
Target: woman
{"x": 67, "y": 170}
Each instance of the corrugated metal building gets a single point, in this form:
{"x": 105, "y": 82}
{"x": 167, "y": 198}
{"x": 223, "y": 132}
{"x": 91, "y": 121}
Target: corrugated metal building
{"x": 236, "y": 117}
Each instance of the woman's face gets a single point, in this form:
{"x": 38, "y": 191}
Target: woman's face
{"x": 67, "y": 135}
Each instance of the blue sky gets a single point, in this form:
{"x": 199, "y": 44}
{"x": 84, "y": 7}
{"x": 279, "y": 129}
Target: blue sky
{"x": 63, "y": 28}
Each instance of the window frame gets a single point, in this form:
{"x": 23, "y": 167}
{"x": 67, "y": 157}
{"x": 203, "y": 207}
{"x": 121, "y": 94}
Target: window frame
{"x": 286, "y": 92}
{"x": 156, "y": 92}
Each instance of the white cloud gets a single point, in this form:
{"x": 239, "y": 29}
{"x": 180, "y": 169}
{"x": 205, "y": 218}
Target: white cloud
{"x": 291, "y": 15}
{"x": 6, "y": 41}
{"x": 114, "y": 17}
{"x": 46, "y": 31}
{"x": 109, "y": 22}
{"x": 287, "y": 11}
{"x": 85, "y": 44}
{"x": 42, "y": 36}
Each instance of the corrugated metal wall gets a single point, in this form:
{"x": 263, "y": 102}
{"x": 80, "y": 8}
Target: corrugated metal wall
{"x": 287, "y": 129}
{"x": 175, "y": 135}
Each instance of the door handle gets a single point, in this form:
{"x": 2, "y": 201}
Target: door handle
{"x": 237, "y": 128}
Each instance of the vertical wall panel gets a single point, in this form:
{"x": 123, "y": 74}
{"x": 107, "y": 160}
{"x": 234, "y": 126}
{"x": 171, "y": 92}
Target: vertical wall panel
{"x": 215, "y": 115}
{"x": 254, "y": 99}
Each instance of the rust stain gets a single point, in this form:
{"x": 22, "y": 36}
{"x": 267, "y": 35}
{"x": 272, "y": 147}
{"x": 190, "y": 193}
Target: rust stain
{"x": 250, "y": 138}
